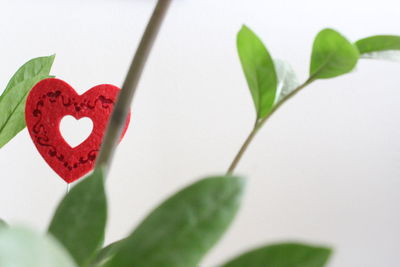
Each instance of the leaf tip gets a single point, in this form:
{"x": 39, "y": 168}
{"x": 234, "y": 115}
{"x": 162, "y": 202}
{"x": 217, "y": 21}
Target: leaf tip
{"x": 52, "y": 57}
{"x": 244, "y": 27}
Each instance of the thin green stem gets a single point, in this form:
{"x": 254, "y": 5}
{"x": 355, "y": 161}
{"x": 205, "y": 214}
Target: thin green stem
{"x": 122, "y": 106}
{"x": 259, "y": 123}
{"x": 242, "y": 149}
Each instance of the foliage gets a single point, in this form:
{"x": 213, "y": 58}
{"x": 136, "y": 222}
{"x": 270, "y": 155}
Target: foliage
{"x": 193, "y": 220}
{"x": 259, "y": 70}
{"x": 283, "y": 255}
{"x": 80, "y": 220}
{"x": 332, "y": 55}
{"x": 21, "y": 247}
{"x": 12, "y": 101}
{"x": 183, "y": 228}
{"x": 380, "y": 47}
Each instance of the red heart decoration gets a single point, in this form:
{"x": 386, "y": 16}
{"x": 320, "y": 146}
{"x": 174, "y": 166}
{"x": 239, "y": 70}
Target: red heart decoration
{"x": 52, "y": 99}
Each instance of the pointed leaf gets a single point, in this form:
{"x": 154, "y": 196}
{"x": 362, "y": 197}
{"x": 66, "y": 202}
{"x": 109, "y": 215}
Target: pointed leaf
{"x": 12, "y": 101}
{"x": 283, "y": 255}
{"x": 183, "y": 228}
{"x": 259, "y": 70}
{"x": 380, "y": 47}
{"x": 80, "y": 219}
{"x": 332, "y": 55}
{"x": 22, "y": 248}
{"x": 287, "y": 79}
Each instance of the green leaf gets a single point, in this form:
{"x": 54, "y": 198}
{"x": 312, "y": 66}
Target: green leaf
{"x": 80, "y": 219}
{"x": 182, "y": 229}
{"x": 22, "y": 248}
{"x": 12, "y": 101}
{"x": 106, "y": 254}
{"x": 259, "y": 70}
{"x": 332, "y": 55}
{"x": 2, "y": 224}
{"x": 283, "y": 255}
{"x": 380, "y": 47}
{"x": 287, "y": 80}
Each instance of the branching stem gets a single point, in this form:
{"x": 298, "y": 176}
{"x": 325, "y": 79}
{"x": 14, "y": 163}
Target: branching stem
{"x": 258, "y": 125}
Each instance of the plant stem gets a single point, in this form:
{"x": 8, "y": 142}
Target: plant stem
{"x": 243, "y": 148}
{"x": 122, "y": 106}
{"x": 259, "y": 123}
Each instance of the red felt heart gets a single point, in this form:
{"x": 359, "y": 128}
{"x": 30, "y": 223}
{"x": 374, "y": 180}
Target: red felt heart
{"x": 52, "y": 99}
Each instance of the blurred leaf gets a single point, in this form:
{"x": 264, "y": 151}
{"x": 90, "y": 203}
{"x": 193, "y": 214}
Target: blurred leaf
{"x": 25, "y": 248}
{"x": 259, "y": 70}
{"x": 183, "y": 228}
{"x": 287, "y": 79}
{"x": 106, "y": 254}
{"x": 12, "y": 101}
{"x": 283, "y": 255}
{"x": 332, "y": 55}
{"x": 80, "y": 219}
{"x": 3, "y": 223}
{"x": 380, "y": 47}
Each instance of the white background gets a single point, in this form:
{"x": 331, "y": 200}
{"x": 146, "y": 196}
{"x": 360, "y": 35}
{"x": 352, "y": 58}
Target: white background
{"x": 325, "y": 169}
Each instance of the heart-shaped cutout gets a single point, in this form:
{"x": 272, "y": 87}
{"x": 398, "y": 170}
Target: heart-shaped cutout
{"x": 74, "y": 131}
{"x": 52, "y": 99}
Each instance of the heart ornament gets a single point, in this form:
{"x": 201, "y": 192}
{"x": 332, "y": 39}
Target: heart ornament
{"x": 48, "y": 103}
